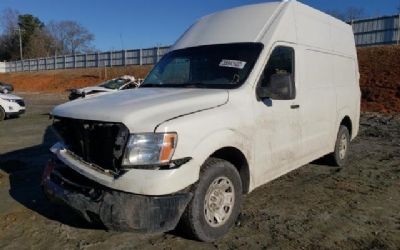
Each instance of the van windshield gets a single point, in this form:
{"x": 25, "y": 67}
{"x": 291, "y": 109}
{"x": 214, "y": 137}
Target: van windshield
{"x": 210, "y": 66}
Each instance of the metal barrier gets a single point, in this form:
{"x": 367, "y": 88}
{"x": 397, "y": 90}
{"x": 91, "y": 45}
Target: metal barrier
{"x": 89, "y": 60}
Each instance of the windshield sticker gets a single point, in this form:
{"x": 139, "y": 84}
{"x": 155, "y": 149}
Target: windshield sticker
{"x": 232, "y": 64}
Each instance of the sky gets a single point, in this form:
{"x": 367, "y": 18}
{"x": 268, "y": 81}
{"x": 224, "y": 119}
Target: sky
{"x": 131, "y": 24}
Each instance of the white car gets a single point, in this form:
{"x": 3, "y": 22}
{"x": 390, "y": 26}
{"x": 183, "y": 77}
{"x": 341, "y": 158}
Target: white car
{"x": 11, "y": 105}
{"x": 244, "y": 96}
{"x": 116, "y": 84}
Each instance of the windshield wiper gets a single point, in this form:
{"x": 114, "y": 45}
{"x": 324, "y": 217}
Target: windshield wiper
{"x": 165, "y": 85}
{"x": 194, "y": 85}
{"x": 151, "y": 85}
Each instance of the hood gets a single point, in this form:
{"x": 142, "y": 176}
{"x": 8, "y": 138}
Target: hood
{"x": 10, "y": 96}
{"x": 94, "y": 88}
{"x": 142, "y": 109}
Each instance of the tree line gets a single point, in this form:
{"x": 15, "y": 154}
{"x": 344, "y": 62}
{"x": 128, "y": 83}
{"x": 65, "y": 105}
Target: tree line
{"x": 348, "y": 15}
{"x": 39, "y": 39}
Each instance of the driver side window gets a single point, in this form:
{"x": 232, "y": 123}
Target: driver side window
{"x": 280, "y": 63}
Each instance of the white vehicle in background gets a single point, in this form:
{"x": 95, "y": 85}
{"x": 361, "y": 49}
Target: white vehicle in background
{"x": 244, "y": 96}
{"x": 11, "y": 105}
{"x": 113, "y": 85}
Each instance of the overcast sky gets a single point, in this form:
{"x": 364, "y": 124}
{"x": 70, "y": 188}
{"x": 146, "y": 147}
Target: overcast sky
{"x": 127, "y": 24}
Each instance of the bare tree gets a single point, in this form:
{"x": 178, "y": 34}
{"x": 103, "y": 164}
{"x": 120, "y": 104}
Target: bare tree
{"x": 351, "y": 13}
{"x": 9, "y": 20}
{"x": 71, "y": 36}
{"x": 9, "y": 43}
{"x": 335, "y": 13}
{"x": 56, "y": 32}
{"x": 41, "y": 44}
{"x": 38, "y": 39}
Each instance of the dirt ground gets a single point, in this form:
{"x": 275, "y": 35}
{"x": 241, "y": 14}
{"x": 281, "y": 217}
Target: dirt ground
{"x": 314, "y": 207}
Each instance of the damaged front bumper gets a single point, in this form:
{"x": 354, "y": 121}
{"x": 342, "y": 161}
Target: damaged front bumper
{"x": 115, "y": 209}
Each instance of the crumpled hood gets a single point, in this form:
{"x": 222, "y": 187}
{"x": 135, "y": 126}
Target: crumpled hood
{"x": 10, "y": 96}
{"x": 142, "y": 109}
{"x": 94, "y": 88}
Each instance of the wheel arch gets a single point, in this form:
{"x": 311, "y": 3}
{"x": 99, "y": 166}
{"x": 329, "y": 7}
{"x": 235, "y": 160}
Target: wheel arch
{"x": 237, "y": 158}
{"x": 346, "y": 121}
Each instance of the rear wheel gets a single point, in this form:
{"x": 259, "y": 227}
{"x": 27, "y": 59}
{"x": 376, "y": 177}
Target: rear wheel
{"x": 2, "y": 114}
{"x": 216, "y": 201}
{"x": 342, "y": 145}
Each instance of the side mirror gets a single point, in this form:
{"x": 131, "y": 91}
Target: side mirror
{"x": 279, "y": 87}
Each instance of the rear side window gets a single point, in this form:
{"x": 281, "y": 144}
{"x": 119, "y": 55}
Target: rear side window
{"x": 281, "y": 61}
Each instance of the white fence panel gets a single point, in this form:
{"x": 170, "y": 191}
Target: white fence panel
{"x": 2, "y": 67}
{"x": 90, "y": 60}
{"x": 377, "y": 31}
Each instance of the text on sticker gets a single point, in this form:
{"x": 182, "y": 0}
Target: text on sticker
{"x": 232, "y": 64}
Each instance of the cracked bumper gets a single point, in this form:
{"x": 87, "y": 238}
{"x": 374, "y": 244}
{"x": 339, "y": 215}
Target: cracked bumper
{"x": 116, "y": 210}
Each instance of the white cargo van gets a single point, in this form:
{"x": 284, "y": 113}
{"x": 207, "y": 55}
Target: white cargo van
{"x": 244, "y": 96}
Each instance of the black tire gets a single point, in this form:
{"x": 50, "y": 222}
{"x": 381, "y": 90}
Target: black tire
{"x": 340, "y": 155}
{"x": 194, "y": 221}
{"x": 2, "y": 114}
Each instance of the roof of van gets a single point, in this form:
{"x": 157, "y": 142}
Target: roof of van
{"x": 288, "y": 20}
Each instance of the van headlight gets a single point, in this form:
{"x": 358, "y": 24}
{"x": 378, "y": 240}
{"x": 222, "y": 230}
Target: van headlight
{"x": 149, "y": 149}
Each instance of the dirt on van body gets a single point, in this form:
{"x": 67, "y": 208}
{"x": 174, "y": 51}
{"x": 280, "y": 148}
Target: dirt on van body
{"x": 314, "y": 207}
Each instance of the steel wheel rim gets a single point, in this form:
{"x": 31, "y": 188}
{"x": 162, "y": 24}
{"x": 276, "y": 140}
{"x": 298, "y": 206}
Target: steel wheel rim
{"x": 219, "y": 202}
{"x": 343, "y": 146}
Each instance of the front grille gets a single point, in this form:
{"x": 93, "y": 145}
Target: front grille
{"x": 20, "y": 103}
{"x": 99, "y": 143}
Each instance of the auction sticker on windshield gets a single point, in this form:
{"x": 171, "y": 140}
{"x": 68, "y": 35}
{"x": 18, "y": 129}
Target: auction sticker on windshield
{"x": 232, "y": 64}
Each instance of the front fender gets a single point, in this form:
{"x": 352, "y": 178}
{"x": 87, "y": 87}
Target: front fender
{"x": 209, "y": 144}
{"x": 203, "y": 133}
{"x": 221, "y": 139}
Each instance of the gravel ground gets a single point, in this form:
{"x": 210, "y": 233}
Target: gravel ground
{"x": 314, "y": 207}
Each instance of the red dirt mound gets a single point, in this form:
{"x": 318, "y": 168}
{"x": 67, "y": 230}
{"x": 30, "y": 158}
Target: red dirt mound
{"x": 61, "y": 80}
{"x": 380, "y": 78}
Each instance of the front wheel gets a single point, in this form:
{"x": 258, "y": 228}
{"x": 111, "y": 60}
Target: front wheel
{"x": 216, "y": 201}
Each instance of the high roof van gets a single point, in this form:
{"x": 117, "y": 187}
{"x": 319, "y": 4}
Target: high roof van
{"x": 244, "y": 96}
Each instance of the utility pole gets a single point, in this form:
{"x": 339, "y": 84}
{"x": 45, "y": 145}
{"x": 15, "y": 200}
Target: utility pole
{"x": 20, "y": 42}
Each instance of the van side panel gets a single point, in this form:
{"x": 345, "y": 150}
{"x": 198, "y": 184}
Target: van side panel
{"x": 324, "y": 100}
{"x": 312, "y": 28}
{"x": 319, "y": 30}
{"x": 318, "y": 103}
{"x": 347, "y": 90}
{"x": 342, "y": 39}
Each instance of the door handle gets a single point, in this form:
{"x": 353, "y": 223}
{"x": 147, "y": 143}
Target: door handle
{"x": 294, "y": 106}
